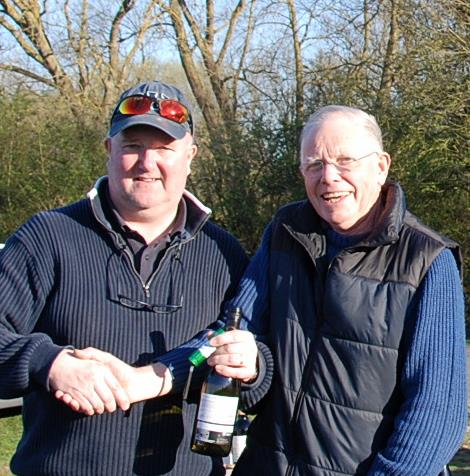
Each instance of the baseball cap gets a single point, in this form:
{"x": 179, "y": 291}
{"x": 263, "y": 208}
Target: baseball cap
{"x": 158, "y": 105}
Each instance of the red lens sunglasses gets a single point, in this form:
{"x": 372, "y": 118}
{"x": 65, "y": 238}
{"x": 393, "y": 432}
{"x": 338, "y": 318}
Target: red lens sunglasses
{"x": 168, "y": 108}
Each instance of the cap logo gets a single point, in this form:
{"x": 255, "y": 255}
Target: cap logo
{"x": 157, "y": 95}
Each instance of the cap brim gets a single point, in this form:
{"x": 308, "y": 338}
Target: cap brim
{"x": 173, "y": 129}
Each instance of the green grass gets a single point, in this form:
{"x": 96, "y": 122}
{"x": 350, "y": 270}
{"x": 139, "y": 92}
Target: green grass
{"x": 10, "y": 432}
{"x": 460, "y": 465}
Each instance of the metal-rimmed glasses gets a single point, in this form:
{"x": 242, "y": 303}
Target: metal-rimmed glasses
{"x": 315, "y": 166}
{"x": 137, "y": 304}
{"x": 156, "y": 308}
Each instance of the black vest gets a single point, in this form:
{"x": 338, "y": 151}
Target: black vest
{"x": 338, "y": 337}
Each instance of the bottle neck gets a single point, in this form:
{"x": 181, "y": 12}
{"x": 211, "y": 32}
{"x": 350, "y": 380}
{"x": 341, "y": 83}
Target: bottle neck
{"x": 233, "y": 319}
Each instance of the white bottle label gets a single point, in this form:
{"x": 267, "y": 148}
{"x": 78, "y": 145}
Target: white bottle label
{"x": 216, "y": 418}
{"x": 217, "y": 410}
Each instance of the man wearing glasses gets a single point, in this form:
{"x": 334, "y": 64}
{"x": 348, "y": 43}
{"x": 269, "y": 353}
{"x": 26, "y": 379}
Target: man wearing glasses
{"x": 363, "y": 308}
{"x": 135, "y": 269}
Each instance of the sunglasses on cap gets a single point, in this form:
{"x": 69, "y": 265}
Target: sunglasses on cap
{"x": 170, "y": 109}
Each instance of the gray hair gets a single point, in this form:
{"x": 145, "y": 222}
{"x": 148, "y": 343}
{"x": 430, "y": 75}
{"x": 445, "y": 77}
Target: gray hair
{"x": 360, "y": 117}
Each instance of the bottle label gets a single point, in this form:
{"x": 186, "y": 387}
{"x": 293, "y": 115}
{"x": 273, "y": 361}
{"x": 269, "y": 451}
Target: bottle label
{"x": 217, "y": 409}
{"x": 216, "y": 418}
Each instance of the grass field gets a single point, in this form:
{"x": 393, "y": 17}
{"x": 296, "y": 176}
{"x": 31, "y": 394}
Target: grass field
{"x": 460, "y": 465}
{"x": 10, "y": 431}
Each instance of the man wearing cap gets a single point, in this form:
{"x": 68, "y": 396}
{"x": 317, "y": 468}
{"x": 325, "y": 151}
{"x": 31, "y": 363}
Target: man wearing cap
{"x": 134, "y": 269}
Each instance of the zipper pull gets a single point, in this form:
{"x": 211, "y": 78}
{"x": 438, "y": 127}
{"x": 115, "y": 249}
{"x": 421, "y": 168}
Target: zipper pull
{"x": 146, "y": 291}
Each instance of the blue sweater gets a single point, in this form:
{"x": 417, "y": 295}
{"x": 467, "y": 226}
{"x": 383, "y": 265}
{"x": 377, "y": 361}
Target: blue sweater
{"x": 431, "y": 422}
{"x": 61, "y": 278}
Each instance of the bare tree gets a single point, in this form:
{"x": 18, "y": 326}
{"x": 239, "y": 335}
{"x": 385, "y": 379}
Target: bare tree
{"x": 84, "y": 60}
{"x": 390, "y": 63}
{"x": 255, "y": 68}
{"x": 203, "y": 47}
{"x": 299, "y": 65}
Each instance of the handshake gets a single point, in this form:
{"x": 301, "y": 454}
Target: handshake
{"x": 91, "y": 381}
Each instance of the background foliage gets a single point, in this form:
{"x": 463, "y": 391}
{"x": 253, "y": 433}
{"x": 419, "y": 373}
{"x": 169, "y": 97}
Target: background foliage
{"x": 254, "y": 70}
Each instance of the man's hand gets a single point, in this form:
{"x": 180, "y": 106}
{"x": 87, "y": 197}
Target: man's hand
{"x": 86, "y": 385}
{"x": 137, "y": 384}
{"x": 236, "y": 355}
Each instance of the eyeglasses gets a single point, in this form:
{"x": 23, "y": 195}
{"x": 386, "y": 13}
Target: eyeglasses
{"x": 167, "y": 108}
{"x": 155, "y": 308}
{"x": 315, "y": 166}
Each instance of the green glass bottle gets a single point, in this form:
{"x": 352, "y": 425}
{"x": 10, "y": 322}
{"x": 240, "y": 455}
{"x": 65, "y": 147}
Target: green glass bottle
{"x": 217, "y": 409}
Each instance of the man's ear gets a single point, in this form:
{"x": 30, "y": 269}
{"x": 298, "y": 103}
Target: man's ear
{"x": 191, "y": 154}
{"x": 384, "y": 166}
{"x": 107, "y": 145}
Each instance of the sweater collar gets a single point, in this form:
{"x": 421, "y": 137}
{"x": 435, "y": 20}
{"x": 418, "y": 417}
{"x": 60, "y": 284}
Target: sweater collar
{"x": 197, "y": 214}
{"x": 391, "y": 218}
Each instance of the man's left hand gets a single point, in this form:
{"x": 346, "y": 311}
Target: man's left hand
{"x": 236, "y": 355}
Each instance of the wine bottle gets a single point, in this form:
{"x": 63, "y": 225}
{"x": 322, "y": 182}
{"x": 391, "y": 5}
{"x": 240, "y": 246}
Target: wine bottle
{"x": 217, "y": 409}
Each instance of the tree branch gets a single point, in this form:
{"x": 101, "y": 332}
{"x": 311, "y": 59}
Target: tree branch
{"x": 27, "y": 73}
{"x": 83, "y": 40}
{"x": 16, "y": 33}
{"x": 299, "y": 76}
{"x": 210, "y": 24}
{"x": 203, "y": 46}
{"x": 212, "y": 67}
{"x": 386, "y": 82}
{"x": 110, "y": 83}
{"x": 241, "y": 61}
{"x": 113, "y": 44}
{"x": 148, "y": 22}
{"x": 211, "y": 109}
{"x": 231, "y": 28}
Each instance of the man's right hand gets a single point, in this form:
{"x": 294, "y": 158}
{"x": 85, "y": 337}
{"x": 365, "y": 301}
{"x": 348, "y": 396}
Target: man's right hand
{"x": 115, "y": 383}
{"x": 86, "y": 385}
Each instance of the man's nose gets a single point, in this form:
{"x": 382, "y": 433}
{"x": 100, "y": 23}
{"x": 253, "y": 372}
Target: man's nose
{"x": 329, "y": 172}
{"x": 149, "y": 159}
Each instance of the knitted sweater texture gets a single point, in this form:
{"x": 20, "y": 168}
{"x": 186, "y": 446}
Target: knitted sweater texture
{"x": 62, "y": 278}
